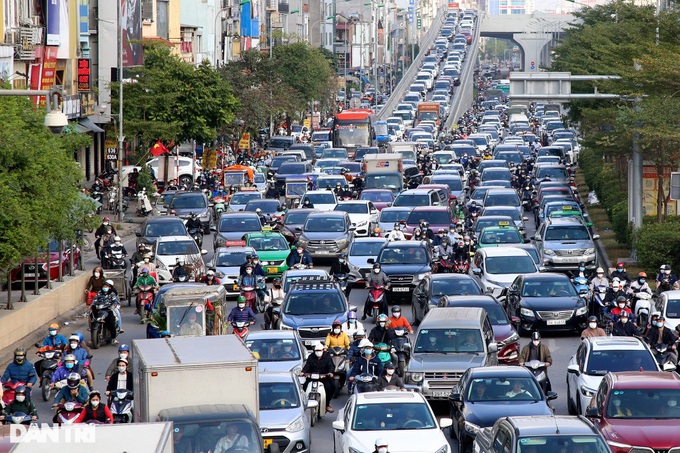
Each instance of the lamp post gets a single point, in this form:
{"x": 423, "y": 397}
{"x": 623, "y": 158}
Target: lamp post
{"x": 321, "y": 21}
{"x": 121, "y": 137}
{"x": 218, "y": 48}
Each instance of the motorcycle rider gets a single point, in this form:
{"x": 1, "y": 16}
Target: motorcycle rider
{"x": 536, "y": 350}
{"x": 336, "y": 338}
{"x": 109, "y": 297}
{"x": 271, "y": 192}
{"x": 121, "y": 379}
{"x": 390, "y": 379}
{"x": 144, "y": 279}
{"x": 274, "y": 298}
{"x": 261, "y": 216}
{"x": 320, "y": 362}
{"x": 381, "y": 333}
{"x": 623, "y": 327}
{"x": 210, "y": 279}
{"x": 257, "y": 267}
{"x": 94, "y": 284}
{"x": 101, "y": 231}
{"x": 94, "y": 410}
{"x": 397, "y": 321}
{"x": 614, "y": 293}
{"x": 20, "y": 370}
{"x": 352, "y": 326}
{"x": 340, "y": 267}
{"x": 307, "y": 204}
{"x": 639, "y": 286}
{"x": 376, "y": 278}
{"x": 621, "y": 306}
{"x": 599, "y": 279}
{"x": 241, "y": 313}
{"x": 116, "y": 247}
{"x": 249, "y": 260}
{"x": 381, "y": 446}
{"x": 250, "y": 280}
{"x": 137, "y": 258}
{"x": 396, "y": 234}
{"x": 194, "y": 223}
{"x": 64, "y": 371}
{"x": 81, "y": 354}
{"x": 73, "y": 391}
{"x": 123, "y": 353}
{"x": 54, "y": 339}
{"x": 366, "y": 363}
{"x": 593, "y": 330}
{"x": 444, "y": 249}
{"x": 426, "y": 231}
{"x": 665, "y": 280}
{"x": 179, "y": 273}
{"x": 620, "y": 273}
{"x": 441, "y": 234}
{"x": 20, "y": 404}
{"x": 300, "y": 256}
{"x": 660, "y": 334}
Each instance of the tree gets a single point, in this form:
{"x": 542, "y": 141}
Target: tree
{"x": 305, "y": 69}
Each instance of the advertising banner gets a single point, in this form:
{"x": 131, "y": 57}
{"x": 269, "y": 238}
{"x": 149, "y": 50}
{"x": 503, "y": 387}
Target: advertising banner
{"x": 84, "y": 17}
{"x": 84, "y": 82}
{"x": 49, "y": 70}
{"x": 52, "y": 13}
{"x": 132, "y": 32}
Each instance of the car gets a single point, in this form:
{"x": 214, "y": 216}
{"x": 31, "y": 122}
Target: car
{"x": 455, "y": 183}
{"x": 227, "y": 263}
{"x": 405, "y": 418}
{"x": 360, "y": 251}
{"x": 497, "y": 267}
{"x": 171, "y": 248}
{"x": 239, "y": 200}
{"x": 277, "y": 161}
{"x": 231, "y": 226}
{"x": 162, "y": 201}
{"x": 320, "y": 164}
{"x": 433, "y": 287}
{"x": 279, "y": 143}
{"x": 278, "y": 351}
{"x": 547, "y": 433}
{"x": 483, "y": 395}
{"x": 266, "y": 206}
{"x": 563, "y": 243}
{"x": 322, "y": 200}
{"x": 439, "y": 217}
{"x": 28, "y": 271}
{"x": 294, "y": 219}
{"x": 292, "y": 275}
{"x": 565, "y": 208}
{"x": 512, "y": 212}
{"x": 184, "y": 203}
{"x": 327, "y": 234}
{"x": 485, "y": 220}
{"x": 389, "y": 216}
{"x": 405, "y": 263}
{"x": 668, "y": 304}
{"x": 418, "y": 197}
{"x": 531, "y": 250}
{"x": 595, "y": 357}
{"x": 363, "y": 215}
{"x": 292, "y": 169}
{"x": 381, "y": 198}
{"x": 155, "y": 227}
{"x": 632, "y": 412}
{"x": 310, "y": 307}
{"x": 272, "y": 249}
{"x": 545, "y": 301}
{"x": 285, "y": 413}
{"x": 501, "y": 235}
{"x": 503, "y": 330}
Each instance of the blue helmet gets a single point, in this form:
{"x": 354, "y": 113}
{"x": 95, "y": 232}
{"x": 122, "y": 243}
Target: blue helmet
{"x": 124, "y": 347}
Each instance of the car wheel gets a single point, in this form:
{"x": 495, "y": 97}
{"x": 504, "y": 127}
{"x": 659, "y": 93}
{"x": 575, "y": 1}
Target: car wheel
{"x": 570, "y": 406}
{"x": 462, "y": 444}
{"x": 186, "y": 180}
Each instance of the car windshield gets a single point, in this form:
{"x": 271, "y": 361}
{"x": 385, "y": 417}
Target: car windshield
{"x": 326, "y": 225}
{"x": 553, "y": 172}
{"x": 403, "y": 255}
{"x": 291, "y": 168}
{"x": 383, "y": 197}
{"x": 503, "y": 389}
{"x": 601, "y": 362}
{"x": 296, "y": 217}
{"x": 673, "y": 308}
{"x": 548, "y": 288}
{"x": 244, "y": 224}
{"x": 280, "y": 143}
{"x": 320, "y": 198}
{"x": 643, "y": 403}
{"x": 454, "y": 287}
{"x": 188, "y": 202}
{"x": 386, "y": 181}
{"x": 412, "y": 200}
{"x": 278, "y": 395}
{"x": 512, "y": 213}
{"x": 366, "y": 248}
{"x": 561, "y": 443}
{"x": 445, "y": 341}
{"x": 267, "y": 206}
{"x": 177, "y": 248}
{"x": 393, "y": 215}
{"x": 273, "y": 243}
{"x": 433, "y": 217}
{"x": 455, "y": 184}
{"x": 244, "y": 197}
{"x": 232, "y": 259}
{"x": 214, "y": 434}
{"x": 478, "y": 194}
{"x": 499, "y": 265}
{"x": 353, "y": 208}
{"x": 274, "y": 350}
{"x": 165, "y": 229}
{"x": 509, "y": 199}
{"x": 500, "y": 236}
{"x": 567, "y": 233}
{"x": 310, "y": 303}
{"x": 392, "y": 416}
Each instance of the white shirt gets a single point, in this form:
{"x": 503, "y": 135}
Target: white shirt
{"x": 226, "y": 443}
{"x": 122, "y": 381}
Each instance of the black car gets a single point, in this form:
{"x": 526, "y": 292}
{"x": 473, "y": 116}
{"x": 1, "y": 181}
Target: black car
{"x": 186, "y": 202}
{"x": 290, "y": 169}
{"x": 267, "y": 206}
{"x": 294, "y": 219}
{"x": 435, "y": 286}
{"x": 406, "y": 263}
{"x": 546, "y": 301}
{"x": 484, "y": 394}
{"x": 155, "y": 227}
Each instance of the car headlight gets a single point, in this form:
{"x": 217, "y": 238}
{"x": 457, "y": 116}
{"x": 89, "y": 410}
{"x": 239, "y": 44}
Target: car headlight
{"x": 422, "y": 276}
{"x": 588, "y": 393}
{"x": 512, "y": 338}
{"x": 297, "y": 425}
{"x": 471, "y": 428}
{"x": 285, "y": 327}
{"x": 581, "y": 311}
{"x": 549, "y": 252}
{"x": 341, "y": 243}
{"x": 493, "y": 282}
{"x": 204, "y": 215}
{"x": 415, "y": 377}
{"x": 526, "y": 312}
{"x": 265, "y": 263}
{"x": 363, "y": 222}
{"x": 618, "y": 444}
{"x": 443, "y": 449}
{"x": 590, "y": 251}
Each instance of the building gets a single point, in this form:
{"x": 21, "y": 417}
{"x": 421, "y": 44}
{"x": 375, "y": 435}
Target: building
{"x": 510, "y": 7}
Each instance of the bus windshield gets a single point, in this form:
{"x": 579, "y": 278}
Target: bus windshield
{"x": 352, "y": 133}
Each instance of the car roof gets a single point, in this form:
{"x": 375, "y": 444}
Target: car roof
{"x": 388, "y": 397}
{"x": 327, "y": 214}
{"x": 278, "y": 334}
{"x": 645, "y": 379}
{"x": 236, "y": 249}
{"x": 174, "y": 238}
{"x": 397, "y": 208}
{"x": 565, "y": 221}
{"x": 482, "y": 299}
{"x": 465, "y": 277}
{"x": 397, "y": 244}
{"x": 504, "y": 251}
{"x": 263, "y": 234}
{"x": 499, "y": 370}
{"x": 291, "y": 273}
{"x": 429, "y": 208}
{"x": 540, "y": 425}
{"x": 614, "y": 343}
{"x": 239, "y": 214}
{"x": 163, "y": 219}
{"x": 354, "y": 202}
{"x": 369, "y": 239}
{"x": 439, "y": 317}
{"x": 416, "y": 191}
{"x": 276, "y": 377}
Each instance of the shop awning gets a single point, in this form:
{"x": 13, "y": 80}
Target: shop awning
{"x": 81, "y": 129}
{"x": 89, "y": 125}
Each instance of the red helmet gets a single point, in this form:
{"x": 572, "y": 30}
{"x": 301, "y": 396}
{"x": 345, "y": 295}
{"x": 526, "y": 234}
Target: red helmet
{"x": 620, "y": 265}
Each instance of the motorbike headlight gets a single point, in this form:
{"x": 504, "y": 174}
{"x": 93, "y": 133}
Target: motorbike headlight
{"x": 415, "y": 377}
{"x": 297, "y": 425}
{"x": 581, "y": 311}
{"x": 549, "y": 252}
{"x": 590, "y": 251}
{"x": 526, "y": 312}
{"x": 588, "y": 393}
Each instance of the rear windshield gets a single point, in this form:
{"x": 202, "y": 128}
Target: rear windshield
{"x": 245, "y": 224}
{"x": 291, "y": 168}
{"x": 433, "y": 217}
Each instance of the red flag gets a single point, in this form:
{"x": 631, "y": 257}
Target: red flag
{"x": 159, "y": 148}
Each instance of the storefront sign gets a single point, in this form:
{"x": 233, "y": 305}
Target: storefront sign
{"x": 111, "y": 150}
{"x": 88, "y": 102}
{"x": 49, "y": 70}
{"x": 70, "y": 106}
{"x": 84, "y": 74}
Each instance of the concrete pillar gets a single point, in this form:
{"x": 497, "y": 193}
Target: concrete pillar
{"x": 532, "y": 45}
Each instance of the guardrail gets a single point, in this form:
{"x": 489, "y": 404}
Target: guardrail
{"x": 405, "y": 82}
{"x": 463, "y": 96}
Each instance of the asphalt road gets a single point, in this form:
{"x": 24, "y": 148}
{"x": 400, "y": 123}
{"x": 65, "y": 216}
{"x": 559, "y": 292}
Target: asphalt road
{"x": 562, "y": 348}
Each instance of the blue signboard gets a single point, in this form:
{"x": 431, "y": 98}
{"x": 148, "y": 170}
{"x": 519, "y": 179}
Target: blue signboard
{"x": 52, "y": 22}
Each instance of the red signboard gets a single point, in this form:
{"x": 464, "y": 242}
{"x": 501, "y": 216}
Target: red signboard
{"x": 84, "y": 74}
{"x": 49, "y": 70}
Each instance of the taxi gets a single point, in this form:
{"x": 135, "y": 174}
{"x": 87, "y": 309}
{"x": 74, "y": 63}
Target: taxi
{"x": 504, "y": 234}
{"x": 567, "y": 211}
{"x": 272, "y": 249}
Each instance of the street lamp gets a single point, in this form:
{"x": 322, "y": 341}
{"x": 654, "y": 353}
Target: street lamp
{"x": 55, "y": 120}
{"x": 320, "y": 21}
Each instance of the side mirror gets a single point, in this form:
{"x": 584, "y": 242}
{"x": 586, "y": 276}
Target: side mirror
{"x": 596, "y": 236}
{"x": 138, "y": 234}
{"x": 298, "y": 230}
{"x": 477, "y": 271}
{"x": 551, "y": 396}
{"x": 456, "y": 397}
{"x": 573, "y": 369}
{"x": 371, "y": 261}
{"x": 339, "y": 425}
{"x": 204, "y": 252}
{"x": 591, "y": 412}
{"x": 527, "y": 241}
{"x": 525, "y": 219}
{"x": 537, "y": 238}
{"x": 352, "y": 228}
{"x": 445, "y": 423}
{"x": 493, "y": 348}
{"x": 213, "y": 229}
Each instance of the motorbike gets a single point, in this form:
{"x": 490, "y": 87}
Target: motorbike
{"x": 121, "y": 406}
{"x": 598, "y": 305}
{"x": 343, "y": 280}
{"x": 144, "y": 207}
{"x": 444, "y": 265}
{"x": 539, "y": 370}
{"x": 642, "y": 303}
{"x": 145, "y": 301}
{"x": 376, "y": 296}
{"x": 219, "y": 206}
{"x": 197, "y": 235}
{"x": 100, "y": 311}
{"x": 338, "y": 356}
{"x": 317, "y": 392}
{"x": 240, "y": 328}
{"x": 383, "y": 352}
{"x": 8, "y": 390}
{"x": 402, "y": 348}
{"x": 18, "y": 418}
{"x": 581, "y": 285}
{"x": 663, "y": 357}
{"x": 67, "y": 413}
{"x": 461, "y": 266}
{"x": 48, "y": 365}
{"x": 114, "y": 259}
{"x": 251, "y": 296}
{"x": 365, "y": 383}
{"x": 99, "y": 198}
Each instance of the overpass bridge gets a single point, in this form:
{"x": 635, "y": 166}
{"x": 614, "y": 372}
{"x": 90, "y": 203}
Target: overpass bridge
{"x": 534, "y": 33}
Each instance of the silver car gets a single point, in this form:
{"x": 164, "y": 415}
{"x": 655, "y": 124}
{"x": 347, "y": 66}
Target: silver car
{"x": 360, "y": 251}
{"x": 279, "y": 351}
{"x": 227, "y": 264}
{"x": 285, "y": 413}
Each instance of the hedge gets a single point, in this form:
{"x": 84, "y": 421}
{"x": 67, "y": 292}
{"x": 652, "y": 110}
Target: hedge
{"x": 657, "y": 244}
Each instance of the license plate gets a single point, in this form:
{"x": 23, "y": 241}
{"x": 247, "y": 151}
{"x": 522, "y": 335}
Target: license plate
{"x": 267, "y": 442}
{"x": 273, "y": 270}
{"x": 29, "y": 275}
{"x": 400, "y": 289}
{"x": 323, "y": 252}
{"x": 572, "y": 259}
{"x": 441, "y": 394}
{"x": 234, "y": 287}
{"x": 311, "y": 342}
{"x": 556, "y": 322}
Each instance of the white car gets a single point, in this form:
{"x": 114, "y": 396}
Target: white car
{"x": 405, "y": 419}
{"x": 361, "y": 250}
{"x": 594, "y": 358}
{"x": 181, "y": 167}
{"x": 362, "y": 213}
{"x": 227, "y": 264}
{"x": 171, "y": 248}
{"x": 397, "y": 122}
{"x": 497, "y": 267}
{"x": 323, "y": 200}
{"x": 297, "y": 131}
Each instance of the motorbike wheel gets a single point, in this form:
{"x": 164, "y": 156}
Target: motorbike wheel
{"x": 374, "y": 315}
{"x": 45, "y": 388}
{"x": 401, "y": 367}
{"x": 314, "y": 416}
{"x": 261, "y": 304}
{"x": 128, "y": 295}
{"x": 642, "y": 319}
{"x": 97, "y": 337}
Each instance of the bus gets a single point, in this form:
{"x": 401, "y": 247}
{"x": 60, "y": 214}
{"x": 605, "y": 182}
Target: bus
{"x": 429, "y": 111}
{"x": 353, "y": 128}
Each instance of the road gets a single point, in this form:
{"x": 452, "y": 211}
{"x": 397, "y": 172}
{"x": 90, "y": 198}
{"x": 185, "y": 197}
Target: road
{"x": 562, "y": 348}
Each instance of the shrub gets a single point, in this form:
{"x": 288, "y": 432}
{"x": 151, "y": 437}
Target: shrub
{"x": 657, "y": 244}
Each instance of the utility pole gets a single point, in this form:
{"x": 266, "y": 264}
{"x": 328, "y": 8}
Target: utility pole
{"x": 121, "y": 137}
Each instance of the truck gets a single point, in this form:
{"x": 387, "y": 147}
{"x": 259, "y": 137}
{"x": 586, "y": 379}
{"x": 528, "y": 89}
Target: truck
{"x": 406, "y": 149}
{"x": 191, "y": 381}
{"x": 382, "y": 163}
{"x": 429, "y": 111}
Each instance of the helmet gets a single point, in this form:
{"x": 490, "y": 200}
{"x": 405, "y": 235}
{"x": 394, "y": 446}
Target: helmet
{"x": 69, "y": 358}
{"x": 258, "y": 211}
{"x": 599, "y": 270}
{"x": 425, "y": 224}
{"x": 390, "y": 365}
{"x": 255, "y": 257}
{"x": 376, "y": 230}
{"x": 621, "y": 299}
{"x": 180, "y": 261}
{"x": 337, "y": 322}
{"x": 124, "y": 347}
{"x": 535, "y": 335}
{"x": 94, "y": 393}
{"x": 365, "y": 343}
{"x": 276, "y": 280}
{"x": 249, "y": 266}
{"x": 54, "y": 326}
{"x": 105, "y": 219}
{"x": 396, "y": 309}
{"x": 592, "y": 319}
{"x": 352, "y": 315}
{"x": 318, "y": 347}
{"x": 109, "y": 283}
{"x": 624, "y": 314}
{"x": 343, "y": 256}
{"x": 20, "y": 389}
{"x": 376, "y": 266}
{"x": 73, "y": 381}
{"x": 145, "y": 270}
{"x": 74, "y": 337}
{"x": 382, "y": 317}
{"x": 665, "y": 267}
{"x": 116, "y": 239}
{"x": 192, "y": 214}
{"x": 210, "y": 273}
{"x": 380, "y": 442}
{"x": 620, "y": 265}
{"x": 141, "y": 246}
{"x": 642, "y": 275}
{"x": 240, "y": 299}
{"x": 146, "y": 255}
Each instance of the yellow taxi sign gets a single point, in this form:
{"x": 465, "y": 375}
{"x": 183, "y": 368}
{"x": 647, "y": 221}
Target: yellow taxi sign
{"x": 503, "y": 223}
{"x": 567, "y": 208}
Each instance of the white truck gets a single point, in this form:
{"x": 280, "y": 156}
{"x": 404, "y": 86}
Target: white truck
{"x": 207, "y": 386}
{"x": 406, "y": 149}
{"x": 383, "y": 163}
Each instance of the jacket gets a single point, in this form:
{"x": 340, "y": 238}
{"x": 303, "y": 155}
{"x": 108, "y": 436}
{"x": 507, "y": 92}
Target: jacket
{"x": 379, "y": 279}
{"x": 295, "y": 258}
{"x": 109, "y": 298}
{"x": 238, "y": 315}
{"x": 396, "y": 381}
{"x": 20, "y": 373}
{"x": 381, "y": 335}
{"x": 354, "y": 351}
{"x": 145, "y": 280}
{"x": 400, "y": 322}
{"x": 114, "y": 367}
{"x": 94, "y": 285}
{"x": 101, "y": 230}
{"x": 623, "y": 330}
{"x": 101, "y": 413}
{"x": 543, "y": 354}
{"x": 112, "y": 385}
{"x": 590, "y": 333}
{"x": 340, "y": 340}
{"x": 667, "y": 336}
{"x": 81, "y": 356}
{"x": 56, "y": 342}
{"x": 25, "y": 406}
{"x": 371, "y": 366}
{"x": 61, "y": 373}
{"x": 64, "y": 395}
{"x": 248, "y": 280}
{"x": 321, "y": 365}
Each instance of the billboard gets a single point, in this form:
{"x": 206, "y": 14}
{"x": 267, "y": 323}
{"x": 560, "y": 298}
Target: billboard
{"x": 52, "y": 20}
{"x": 132, "y": 32}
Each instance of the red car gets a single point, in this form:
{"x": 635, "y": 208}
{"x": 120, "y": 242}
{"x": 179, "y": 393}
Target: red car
{"x": 381, "y": 198}
{"x": 28, "y": 267}
{"x": 638, "y": 411}
{"x": 439, "y": 217}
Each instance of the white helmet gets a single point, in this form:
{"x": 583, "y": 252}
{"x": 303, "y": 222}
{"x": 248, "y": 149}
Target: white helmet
{"x": 381, "y": 442}
{"x": 599, "y": 270}
{"x": 116, "y": 239}
{"x": 365, "y": 343}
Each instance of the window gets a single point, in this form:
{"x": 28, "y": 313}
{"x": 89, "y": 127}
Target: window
{"x": 162, "y": 30}
{"x": 449, "y": 340}
{"x": 321, "y": 224}
{"x": 392, "y": 416}
{"x": 274, "y": 350}
{"x": 178, "y": 248}
{"x": 567, "y": 233}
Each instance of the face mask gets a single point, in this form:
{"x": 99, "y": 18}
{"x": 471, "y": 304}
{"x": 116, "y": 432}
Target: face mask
{"x": 105, "y": 290}
{"x": 123, "y": 355}
{"x": 97, "y": 275}
{"x": 300, "y": 251}
{"x": 122, "y": 369}
{"x": 377, "y": 271}
{"x": 146, "y": 260}
{"x": 117, "y": 242}
{"x": 241, "y": 305}
{"x": 600, "y": 275}
{"x": 622, "y": 306}
{"x": 19, "y": 360}
{"x": 368, "y": 351}
{"x": 617, "y": 403}
{"x": 20, "y": 398}
{"x": 248, "y": 271}
{"x": 336, "y": 331}
{"x": 105, "y": 223}
{"x": 352, "y": 321}
{"x": 318, "y": 353}
{"x": 641, "y": 281}
{"x": 659, "y": 325}
{"x": 382, "y": 324}
{"x": 536, "y": 342}
{"x": 592, "y": 325}
{"x": 389, "y": 372}
{"x": 74, "y": 345}
{"x": 382, "y": 450}
{"x": 69, "y": 366}
{"x": 255, "y": 262}
{"x": 94, "y": 403}
{"x": 671, "y": 403}
{"x": 396, "y": 315}
{"x": 341, "y": 261}
{"x": 53, "y": 332}
{"x": 619, "y": 270}
{"x": 624, "y": 320}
